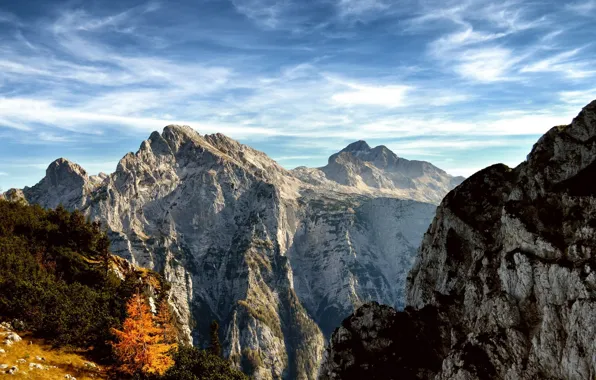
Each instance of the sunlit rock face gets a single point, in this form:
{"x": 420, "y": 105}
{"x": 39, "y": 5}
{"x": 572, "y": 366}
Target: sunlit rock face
{"x": 381, "y": 172}
{"x": 277, "y": 257}
{"x": 504, "y": 284}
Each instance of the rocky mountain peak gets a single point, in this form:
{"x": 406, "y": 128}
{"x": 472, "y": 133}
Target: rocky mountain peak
{"x": 63, "y": 170}
{"x": 504, "y": 283}
{"x": 361, "y": 168}
{"x": 65, "y": 183}
{"x": 180, "y": 131}
{"x": 358, "y": 146}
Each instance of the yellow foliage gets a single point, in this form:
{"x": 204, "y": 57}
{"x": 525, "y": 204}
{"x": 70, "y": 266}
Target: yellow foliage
{"x": 140, "y": 347}
{"x": 149, "y": 278}
{"x": 67, "y": 362}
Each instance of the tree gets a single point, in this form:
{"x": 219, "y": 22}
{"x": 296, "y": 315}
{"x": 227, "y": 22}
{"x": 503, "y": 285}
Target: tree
{"x": 215, "y": 346}
{"x": 165, "y": 322}
{"x": 195, "y": 364}
{"x": 140, "y": 347}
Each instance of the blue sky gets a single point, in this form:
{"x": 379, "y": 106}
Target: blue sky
{"x": 462, "y": 84}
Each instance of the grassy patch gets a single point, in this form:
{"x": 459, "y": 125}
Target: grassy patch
{"x": 67, "y": 362}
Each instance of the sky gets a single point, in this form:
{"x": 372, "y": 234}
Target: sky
{"x": 462, "y": 84}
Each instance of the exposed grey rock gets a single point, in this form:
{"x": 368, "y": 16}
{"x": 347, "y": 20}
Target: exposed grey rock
{"x": 277, "y": 260}
{"x": 360, "y": 168}
{"x": 37, "y": 366}
{"x": 6, "y": 327}
{"x": 508, "y": 268}
{"x": 65, "y": 183}
{"x": 10, "y": 338}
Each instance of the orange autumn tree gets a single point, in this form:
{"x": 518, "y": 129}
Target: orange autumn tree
{"x": 140, "y": 346}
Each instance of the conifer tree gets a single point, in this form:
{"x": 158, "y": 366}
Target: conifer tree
{"x": 165, "y": 322}
{"x": 140, "y": 347}
{"x": 215, "y": 346}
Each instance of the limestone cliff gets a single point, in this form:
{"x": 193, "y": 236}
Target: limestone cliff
{"x": 504, "y": 284}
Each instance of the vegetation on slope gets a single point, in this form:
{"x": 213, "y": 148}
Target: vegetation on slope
{"x": 57, "y": 363}
{"x": 56, "y": 277}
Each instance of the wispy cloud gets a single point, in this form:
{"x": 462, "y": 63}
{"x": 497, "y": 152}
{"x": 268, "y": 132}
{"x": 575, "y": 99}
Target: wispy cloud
{"x": 264, "y": 12}
{"x": 485, "y": 64}
{"x": 485, "y": 45}
{"x": 568, "y": 63}
{"x": 584, "y": 8}
{"x": 361, "y": 7}
{"x": 9, "y": 18}
{"x": 578, "y": 98}
{"x": 430, "y": 78}
{"x": 386, "y": 96}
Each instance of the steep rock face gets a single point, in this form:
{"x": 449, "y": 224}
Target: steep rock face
{"x": 278, "y": 261}
{"x": 364, "y": 248}
{"x": 507, "y": 269}
{"x": 380, "y": 171}
{"x": 65, "y": 182}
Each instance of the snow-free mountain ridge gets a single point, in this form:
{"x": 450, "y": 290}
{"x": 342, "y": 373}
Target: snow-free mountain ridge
{"x": 380, "y": 172}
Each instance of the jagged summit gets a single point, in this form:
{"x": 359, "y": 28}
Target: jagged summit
{"x": 358, "y": 168}
{"x": 63, "y": 167}
{"x": 358, "y": 146}
{"x": 363, "y": 169}
{"x": 65, "y": 183}
{"x": 175, "y": 129}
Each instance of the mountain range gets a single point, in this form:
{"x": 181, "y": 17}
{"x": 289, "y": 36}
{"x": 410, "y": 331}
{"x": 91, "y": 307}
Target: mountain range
{"x": 279, "y": 257}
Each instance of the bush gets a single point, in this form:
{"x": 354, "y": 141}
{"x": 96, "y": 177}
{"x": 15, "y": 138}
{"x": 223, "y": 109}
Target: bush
{"x": 192, "y": 363}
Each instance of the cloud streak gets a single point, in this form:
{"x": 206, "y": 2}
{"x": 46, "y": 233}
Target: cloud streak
{"x": 297, "y": 79}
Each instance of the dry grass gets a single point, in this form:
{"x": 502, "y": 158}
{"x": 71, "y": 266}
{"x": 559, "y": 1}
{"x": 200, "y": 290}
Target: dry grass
{"x": 66, "y": 362}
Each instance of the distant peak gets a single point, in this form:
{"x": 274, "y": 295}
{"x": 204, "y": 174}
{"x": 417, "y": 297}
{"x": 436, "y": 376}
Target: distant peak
{"x": 62, "y": 164}
{"x": 176, "y": 135}
{"x": 61, "y": 161}
{"x": 62, "y": 170}
{"x": 178, "y": 127}
{"x": 358, "y": 146}
{"x": 179, "y": 130}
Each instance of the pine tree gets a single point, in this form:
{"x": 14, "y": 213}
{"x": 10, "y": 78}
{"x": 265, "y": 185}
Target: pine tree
{"x": 140, "y": 347}
{"x": 215, "y": 346}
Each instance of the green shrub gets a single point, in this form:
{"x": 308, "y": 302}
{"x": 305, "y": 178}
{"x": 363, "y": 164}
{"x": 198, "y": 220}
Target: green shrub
{"x": 192, "y": 363}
